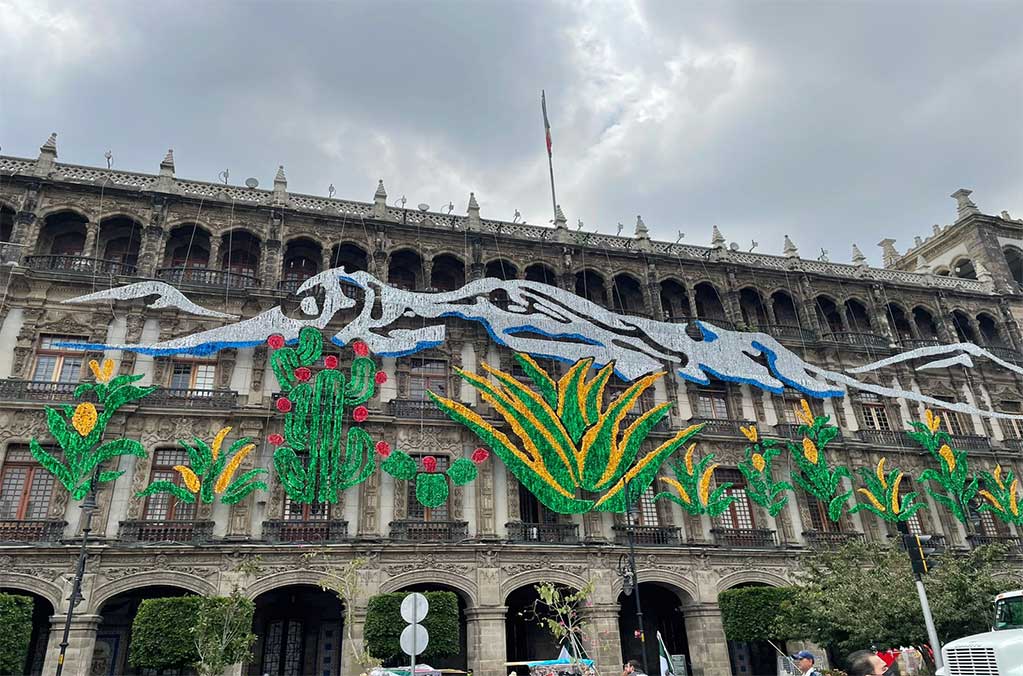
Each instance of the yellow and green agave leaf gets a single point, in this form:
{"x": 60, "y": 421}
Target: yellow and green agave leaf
{"x": 548, "y": 388}
{"x": 571, "y": 402}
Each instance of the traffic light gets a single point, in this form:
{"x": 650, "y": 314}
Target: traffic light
{"x": 920, "y": 548}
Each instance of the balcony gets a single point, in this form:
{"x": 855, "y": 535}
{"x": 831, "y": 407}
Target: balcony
{"x": 277, "y": 531}
{"x": 1012, "y": 543}
{"x": 719, "y": 322}
{"x": 290, "y": 285}
{"x": 913, "y": 343}
{"x": 1006, "y": 353}
{"x": 1014, "y": 443}
{"x": 79, "y": 265}
{"x": 786, "y": 333}
{"x": 181, "y": 532}
{"x": 721, "y": 426}
{"x": 971, "y": 442}
{"x": 192, "y": 399}
{"x": 31, "y": 531}
{"x": 677, "y": 319}
{"x": 547, "y": 533}
{"x": 861, "y": 341}
{"x": 744, "y": 538}
{"x": 35, "y": 390}
{"x": 415, "y": 409}
{"x": 646, "y": 536}
{"x": 820, "y": 539}
{"x": 11, "y": 253}
{"x": 411, "y": 530}
{"x": 787, "y": 431}
{"x": 207, "y": 278}
{"x": 887, "y": 438}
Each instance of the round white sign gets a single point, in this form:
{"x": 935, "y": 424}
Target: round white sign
{"x": 414, "y": 639}
{"x": 414, "y": 608}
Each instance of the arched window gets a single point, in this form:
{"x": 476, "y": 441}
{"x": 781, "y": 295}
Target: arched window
{"x": 828, "y": 315}
{"x": 351, "y": 257}
{"x": 1014, "y": 259}
{"x": 539, "y": 272}
{"x": 964, "y": 269}
{"x": 752, "y": 306}
{"x": 627, "y": 296}
{"x": 448, "y": 273}
{"x": 674, "y": 301}
{"x": 405, "y": 270}
{"x": 589, "y": 284}
{"x": 708, "y": 303}
{"x": 501, "y": 269}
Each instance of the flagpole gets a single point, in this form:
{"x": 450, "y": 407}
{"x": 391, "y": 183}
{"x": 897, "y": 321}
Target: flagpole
{"x": 550, "y": 158}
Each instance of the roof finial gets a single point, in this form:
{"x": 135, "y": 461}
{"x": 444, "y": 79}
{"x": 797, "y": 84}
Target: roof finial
{"x": 790, "y": 249}
{"x": 559, "y": 217}
{"x": 858, "y": 259}
{"x": 380, "y": 201}
{"x": 717, "y": 240}
{"x": 280, "y": 177}
{"x": 964, "y": 205}
{"x": 889, "y": 255}
{"x": 641, "y": 230}
{"x": 473, "y": 210}
{"x": 167, "y": 166}
{"x": 50, "y": 147}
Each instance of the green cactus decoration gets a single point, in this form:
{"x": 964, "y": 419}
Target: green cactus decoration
{"x": 339, "y": 455}
{"x": 431, "y": 486}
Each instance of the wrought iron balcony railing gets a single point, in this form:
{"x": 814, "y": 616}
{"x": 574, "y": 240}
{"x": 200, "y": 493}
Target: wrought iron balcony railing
{"x": 311, "y": 530}
{"x": 788, "y": 333}
{"x": 1014, "y": 544}
{"x": 183, "y": 531}
{"x": 429, "y": 531}
{"x": 855, "y": 339}
{"x": 913, "y": 343}
{"x": 207, "y": 277}
{"x": 820, "y": 539}
{"x": 1006, "y": 353}
{"x": 648, "y": 535}
{"x": 290, "y": 285}
{"x": 721, "y": 426}
{"x": 971, "y": 442}
{"x": 549, "y": 533}
{"x": 79, "y": 265}
{"x": 889, "y": 438}
{"x": 1014, "y": 443}
{"x": 192, "y": 399}
{"x": 32, "y": 531}
{"x": 754, "y": 538}
{"x": 415, "y": 409}
{"x": 35, "y": 390}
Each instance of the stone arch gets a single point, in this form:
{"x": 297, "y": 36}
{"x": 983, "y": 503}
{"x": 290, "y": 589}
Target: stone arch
{"x": 178, "y": 222}
{"x": 28, "y": 583}
{"x": 286, "y": 579}
{"x": 156, "y": 578}
{"x": 531, "y": 577}
{"x": 682, "y": 586}
{"x": 43, "y": 214}
{"x": 751, "y": 576}
{"x": 463, "y": 585}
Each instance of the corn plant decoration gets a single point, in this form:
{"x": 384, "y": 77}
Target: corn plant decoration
{"x": 79, "y": 430}
{"x": 958, "y": 488}
{"x": 814, "y": 475}
{"x": 568, "y": 439}
{"x": 209, "y": 472}
{"x": 335, "y": 454}
{"x": 760, "y": 484}
{"x": 1001, "y": 495}
{"x": 692, "y": 486}
{"x": 882, "y": 493}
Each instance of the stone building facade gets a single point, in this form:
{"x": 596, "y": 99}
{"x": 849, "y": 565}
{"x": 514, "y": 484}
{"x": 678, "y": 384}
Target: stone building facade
{"x": 66, "y": 230}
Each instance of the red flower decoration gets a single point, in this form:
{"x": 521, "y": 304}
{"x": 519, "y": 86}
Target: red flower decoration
{"x": 303, "y": 373}
{"x": 275, "y": 439}
{"x": 480, "y": 455}
{"x": 360, "y": 413}
{"x": 361, "y": 349}
{"x": 284, "y": 404}
{"x": 380, "y": 378}
{"x": 276, "y": 341}
{"x": 383, "y": 448}
{"x": 430, "y": 463}
{"x": 330, "y": 361}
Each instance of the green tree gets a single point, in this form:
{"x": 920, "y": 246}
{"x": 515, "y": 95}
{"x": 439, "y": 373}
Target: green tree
{"x": 223, "y": 632}
{"x": 752, "y": 613}
{"x": 384, "y": 625}
{"x": 161, "y": 634}
{"x": 344, "y": 582}
{"x": 859, "y": 595}
{"x": 16, "y": 620}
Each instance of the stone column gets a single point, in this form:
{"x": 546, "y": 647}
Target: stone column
{"x": 214, "y": 261}
{"x": 706, "y": 633}
{"x": 485, "y": 640}
{"x": 91, "y": 234}
{"x": 604, "y": 643}
{"x": 351, "y": 639}
{"x": 81, "y": 643}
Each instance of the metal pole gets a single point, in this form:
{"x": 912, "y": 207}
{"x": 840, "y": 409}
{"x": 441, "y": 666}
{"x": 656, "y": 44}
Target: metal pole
{"x": 932, "y": 633}
{"x": 88, "y": 507}
{"x": 635, "y": 584}
{"x": 554, "y": 199}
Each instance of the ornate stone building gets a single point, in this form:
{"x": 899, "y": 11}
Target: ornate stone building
{"x": 66, "y": 230}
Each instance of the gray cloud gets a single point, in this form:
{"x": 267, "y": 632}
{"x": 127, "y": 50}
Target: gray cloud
{"x": 830, "y": 122}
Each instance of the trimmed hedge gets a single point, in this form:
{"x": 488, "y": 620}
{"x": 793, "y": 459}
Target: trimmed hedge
{"x": 161, "y": 635}
{"x": 752, "y": 613}
{"x": 384, "y": 625}
{"x": 16, "y": 633}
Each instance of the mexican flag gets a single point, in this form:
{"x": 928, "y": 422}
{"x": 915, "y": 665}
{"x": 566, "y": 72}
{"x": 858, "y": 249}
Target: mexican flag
{"x": 665, "y": 659}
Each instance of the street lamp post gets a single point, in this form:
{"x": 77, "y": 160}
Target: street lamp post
{"x": 88, "y": 509}
{"x": 630, "y": 583}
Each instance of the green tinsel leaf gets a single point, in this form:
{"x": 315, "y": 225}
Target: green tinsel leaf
{"x": 462, "y": 471}
{"x": 112, "y": 449}
{"x": 400, "y": 465}
{"x": 836, "y": 504}
{"x": 544, "y": 383}
{"x": 122, "y": 395}
{"x": 295, "y": 480}
{"x": 52, "y": 465}
{"x": 109, "y": 475}
{"x": 431, "y": 489}
{"x": 283, "y": 362}
{"x": 361, "y": 385}
{"x": 167, "y": 487}
{"x": 310, "y": 345}
{"x": 357, "y": 454}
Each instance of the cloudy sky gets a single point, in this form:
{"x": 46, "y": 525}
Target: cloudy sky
{"x": 833, "y": 123}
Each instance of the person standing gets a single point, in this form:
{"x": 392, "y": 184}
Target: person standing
{"x": 805, "y": 661}
{"x": 633, "y": 668}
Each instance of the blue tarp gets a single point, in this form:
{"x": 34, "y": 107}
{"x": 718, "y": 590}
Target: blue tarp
{"x": 554, "y": 663}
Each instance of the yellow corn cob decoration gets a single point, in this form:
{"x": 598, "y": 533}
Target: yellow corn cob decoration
{"x": 810, "y": 450}
{"x": 84, "y": 418}
{"x": 758, "y": 462}
{"x": 998, "y": 476}
{"x": 229, "y": 471}
{"x": 933, "y": 421}
{"x": 804, "y": 413}
{"x": 895, "y": 493}
{"x": 993, "y": 500}
{"x": 880, "y": 473}
{"x": 873, "y": 499}
{"x": 948, "y": 456}
{"x": 218, "y": 440}
{"x": 689, "y": 459}
{"x": 749, "y": 432}
{"x": 678, "y": 487}
{"x": 705, "y": 483}
{"x": 189, "y": 477}
{"x": 102, "y": 373}
{"x": 1013, "y": 506}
